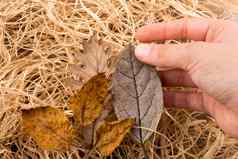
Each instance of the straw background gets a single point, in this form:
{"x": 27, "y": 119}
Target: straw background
{"x": 40, "y": 38}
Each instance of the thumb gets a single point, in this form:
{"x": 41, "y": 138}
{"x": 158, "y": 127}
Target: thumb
{"x": 171, "y": 56}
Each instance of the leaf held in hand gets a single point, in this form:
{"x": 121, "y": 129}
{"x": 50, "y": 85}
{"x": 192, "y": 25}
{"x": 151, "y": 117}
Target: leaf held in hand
{"x": 49, "y": 127}
{"x": 87, "y": 104}
{"x": 137, "y": 93}
{"x": 110, "y": 134}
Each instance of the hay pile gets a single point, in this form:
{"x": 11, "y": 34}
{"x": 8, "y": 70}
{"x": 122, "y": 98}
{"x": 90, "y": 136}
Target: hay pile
{"x": 40, "y": 38}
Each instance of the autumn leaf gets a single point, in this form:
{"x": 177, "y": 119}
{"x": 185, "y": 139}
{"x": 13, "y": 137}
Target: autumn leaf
{"x": 49, "y": 127}
{"x": 88, "y": 132}
{"x": 87, "y": 103}
{"x": 97, "y": 57}
{"x": 137, "y": 93}
{"x": 110, "y": 134}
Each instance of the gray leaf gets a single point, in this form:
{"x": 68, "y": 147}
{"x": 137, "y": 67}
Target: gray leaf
{"x": 137, "y": 93}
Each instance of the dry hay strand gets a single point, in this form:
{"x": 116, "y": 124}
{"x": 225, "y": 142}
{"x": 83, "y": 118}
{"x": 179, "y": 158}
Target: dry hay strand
{"x": 39, "y": 39}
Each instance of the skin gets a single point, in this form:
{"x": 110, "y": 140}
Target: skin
{"x": 209, "y": 64}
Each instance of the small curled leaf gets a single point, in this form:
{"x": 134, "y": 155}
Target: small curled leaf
{"x": 110, "y": 134}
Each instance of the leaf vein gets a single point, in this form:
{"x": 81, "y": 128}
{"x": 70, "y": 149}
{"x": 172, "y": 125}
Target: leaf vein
{"x": 125, "y": 75}
{"x": 134, "y": 97}
{"x": 143, "y": 90}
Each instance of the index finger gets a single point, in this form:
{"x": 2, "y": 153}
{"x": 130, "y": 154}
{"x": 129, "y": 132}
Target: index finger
{"x": 186, "y": 28}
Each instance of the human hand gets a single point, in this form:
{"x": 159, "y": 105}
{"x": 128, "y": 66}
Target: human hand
{"x": 210, "y": 64}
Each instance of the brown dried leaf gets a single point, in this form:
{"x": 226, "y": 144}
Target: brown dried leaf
{"x": 49, "y": 127}
{"x": 137, "y": 93}
{"x": 97, "y": 57}
{"x": 87, "y": 103}
{"x": 110, "y": 134}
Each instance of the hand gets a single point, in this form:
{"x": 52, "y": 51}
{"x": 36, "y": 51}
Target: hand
{"x": 209, "y": 63}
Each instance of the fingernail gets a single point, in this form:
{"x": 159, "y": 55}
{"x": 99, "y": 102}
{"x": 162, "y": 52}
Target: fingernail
{"x": 162, "y": 68}
{"x": 143, "y": 50}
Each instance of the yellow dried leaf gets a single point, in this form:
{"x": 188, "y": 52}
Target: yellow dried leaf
{"x": 88, "y": 102}
{"x": 49, "y": 127}
{"x": 110, "y": 134}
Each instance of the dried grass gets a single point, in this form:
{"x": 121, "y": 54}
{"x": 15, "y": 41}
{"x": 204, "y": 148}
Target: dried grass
{"x": 40, "y": 38}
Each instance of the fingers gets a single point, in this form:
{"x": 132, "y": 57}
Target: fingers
{"x": 171, "y": 56}
{"x": 193, "y": 29}
{"x": 192, "y": 99}
{"x": 225, "y": 117}
{"x": 176, "y": 78}
{"x": 184, "y": 99}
